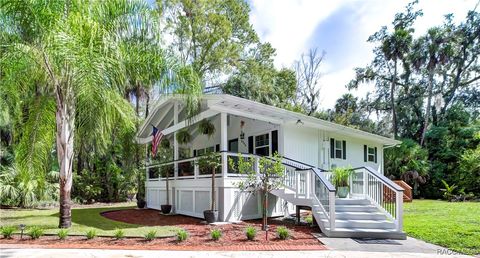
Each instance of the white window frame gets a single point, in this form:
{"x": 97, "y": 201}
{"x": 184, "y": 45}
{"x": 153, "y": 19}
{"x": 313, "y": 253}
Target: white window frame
{"x": 338, "y": 149}
{"x": 370, "y": 155}
{"x": 268, "y": 145}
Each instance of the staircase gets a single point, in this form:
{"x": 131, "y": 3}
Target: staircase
{"x": 366, "y": 213}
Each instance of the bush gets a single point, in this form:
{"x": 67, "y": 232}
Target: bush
{"x": 150, "y": 235}
{"x": 62, "y": 234}
{"x": 35, "y": 232}
{"x": 91, "y": 234}
{"x": 283, "y": 233}
{"x": 251, "y": 233}
{"x": 309, "y": 220}
{"x": 182, "y": 235}
{"x": 216, "y": 234}
{"x": 119, "y": 234}
{"x": 7, "y": 231}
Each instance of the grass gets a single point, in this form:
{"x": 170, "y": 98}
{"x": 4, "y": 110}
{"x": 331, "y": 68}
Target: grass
{"x": 83, "y": 220}
{"x": 454, "y": 225}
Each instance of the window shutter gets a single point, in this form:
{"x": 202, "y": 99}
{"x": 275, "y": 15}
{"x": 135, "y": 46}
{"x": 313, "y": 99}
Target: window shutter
{"x": 194, "y": 153}
{"x": 365, "y": 152}
{"x": 344, "y": 149}
{"x": 250, "y": 144}
{"x": 217, "y": 148}
{"x": 375, "y": 154}
{"x": 332, "y": 148}
{"x": 274, "y": 141}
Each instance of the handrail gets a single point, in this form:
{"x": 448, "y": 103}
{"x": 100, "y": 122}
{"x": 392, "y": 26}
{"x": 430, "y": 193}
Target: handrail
{"x": 327, "y": 183}
{"x": 383, "y": 178}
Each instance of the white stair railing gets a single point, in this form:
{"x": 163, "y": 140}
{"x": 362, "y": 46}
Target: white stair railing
{"x": 381, "y": 191}
{"x": 309, "y": 183}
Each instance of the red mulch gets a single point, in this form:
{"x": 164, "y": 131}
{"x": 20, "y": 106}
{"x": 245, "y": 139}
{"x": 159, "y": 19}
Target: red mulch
{"x": 233, "y": 235}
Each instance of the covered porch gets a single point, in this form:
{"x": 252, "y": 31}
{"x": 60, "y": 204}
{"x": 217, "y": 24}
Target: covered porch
{"x": 236, "y": 132}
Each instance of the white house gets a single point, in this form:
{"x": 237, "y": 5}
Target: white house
{"x": 309, "y": 147}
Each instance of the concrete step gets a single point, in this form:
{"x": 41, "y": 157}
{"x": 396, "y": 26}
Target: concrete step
{"x": 365, "y": 233}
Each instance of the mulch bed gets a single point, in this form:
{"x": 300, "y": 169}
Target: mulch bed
{"x": 233, "y": 235}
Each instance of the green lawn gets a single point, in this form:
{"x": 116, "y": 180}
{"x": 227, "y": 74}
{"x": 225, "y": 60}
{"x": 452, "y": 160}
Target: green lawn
{"x": 83, "y": 219}
{"x": 455, "y": 225}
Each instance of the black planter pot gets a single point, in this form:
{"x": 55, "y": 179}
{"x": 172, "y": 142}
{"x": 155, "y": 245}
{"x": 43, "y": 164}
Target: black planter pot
{"x": 141, "y": 204}
{"x": 211, "y": 216}
{"x": 166, "y": 208}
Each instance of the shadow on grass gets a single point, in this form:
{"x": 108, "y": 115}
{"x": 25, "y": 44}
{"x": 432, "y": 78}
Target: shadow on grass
{"x": 91, "y": 217}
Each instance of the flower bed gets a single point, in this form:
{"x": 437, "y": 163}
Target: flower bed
{"x": 199, "y": 237}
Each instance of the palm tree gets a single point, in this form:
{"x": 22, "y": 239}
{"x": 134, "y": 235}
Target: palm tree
{"x": 74, "y": 49}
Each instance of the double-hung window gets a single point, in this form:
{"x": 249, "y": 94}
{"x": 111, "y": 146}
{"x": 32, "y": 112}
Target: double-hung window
{"x": 338, "y": 149}
{"x": 262, "y": 145}
{"x": 369, "y": 154}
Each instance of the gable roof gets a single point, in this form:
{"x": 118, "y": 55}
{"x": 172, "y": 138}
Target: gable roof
{"x": 248, "y": 108}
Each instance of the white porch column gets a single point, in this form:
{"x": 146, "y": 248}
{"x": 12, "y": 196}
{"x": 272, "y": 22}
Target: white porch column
{"x": 223, "y": 142}
{"x": 175, "y": 143}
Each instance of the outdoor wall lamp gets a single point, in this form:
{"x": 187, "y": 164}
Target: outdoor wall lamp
{"x": 299, "y": 122}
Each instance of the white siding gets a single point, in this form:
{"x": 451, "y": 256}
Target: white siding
{"x": 301, "y": 144}
{"x": 355, "y": 153}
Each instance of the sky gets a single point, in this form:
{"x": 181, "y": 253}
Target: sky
{"x": 341, "y": 29}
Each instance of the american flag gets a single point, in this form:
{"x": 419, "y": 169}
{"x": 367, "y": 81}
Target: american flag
{"x": 157, "y": 137}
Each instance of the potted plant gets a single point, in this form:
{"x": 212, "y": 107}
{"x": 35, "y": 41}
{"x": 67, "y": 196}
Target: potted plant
{"x": 166, "y": 208}
{"x": 211, "y": 160}
{"x": 165, "y": 155}
{"x": 183, "y": 136}
{"x": 141, "y": 203}
{"x": 340, "y": 180}
{"x": 206, "y": 127}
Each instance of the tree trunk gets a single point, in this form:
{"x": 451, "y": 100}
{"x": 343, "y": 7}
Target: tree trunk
{"x": 65, "y": 119}
{"x": 137, "y": 147}
{"x": 429, "y": 104}
{"x": 213, "y": 189}
{"x": 265, "y": 213}
{"x": 392, "y": 101}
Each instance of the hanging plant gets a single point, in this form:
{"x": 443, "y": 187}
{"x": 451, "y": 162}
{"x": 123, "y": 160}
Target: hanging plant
{"x": 165, "y": 144}
{"x": 183, "y": 136}
{"x": 206, "y": 127}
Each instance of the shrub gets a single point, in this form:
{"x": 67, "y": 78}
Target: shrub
{"x": 283, "y": 233}
{"x": 91, "y": 234}
{"x": 7, "y": 231}
{"x": 216, "y": 234}
{"x": 35, "y": 232}
{"x": 150, "y": 235}
{"x": 251, "y": 233}
{"x": 119, "y": 234}
{"x": 62, "y": 234}
{"x": 182, "y": 235}
{"x": 309, "y": 220}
